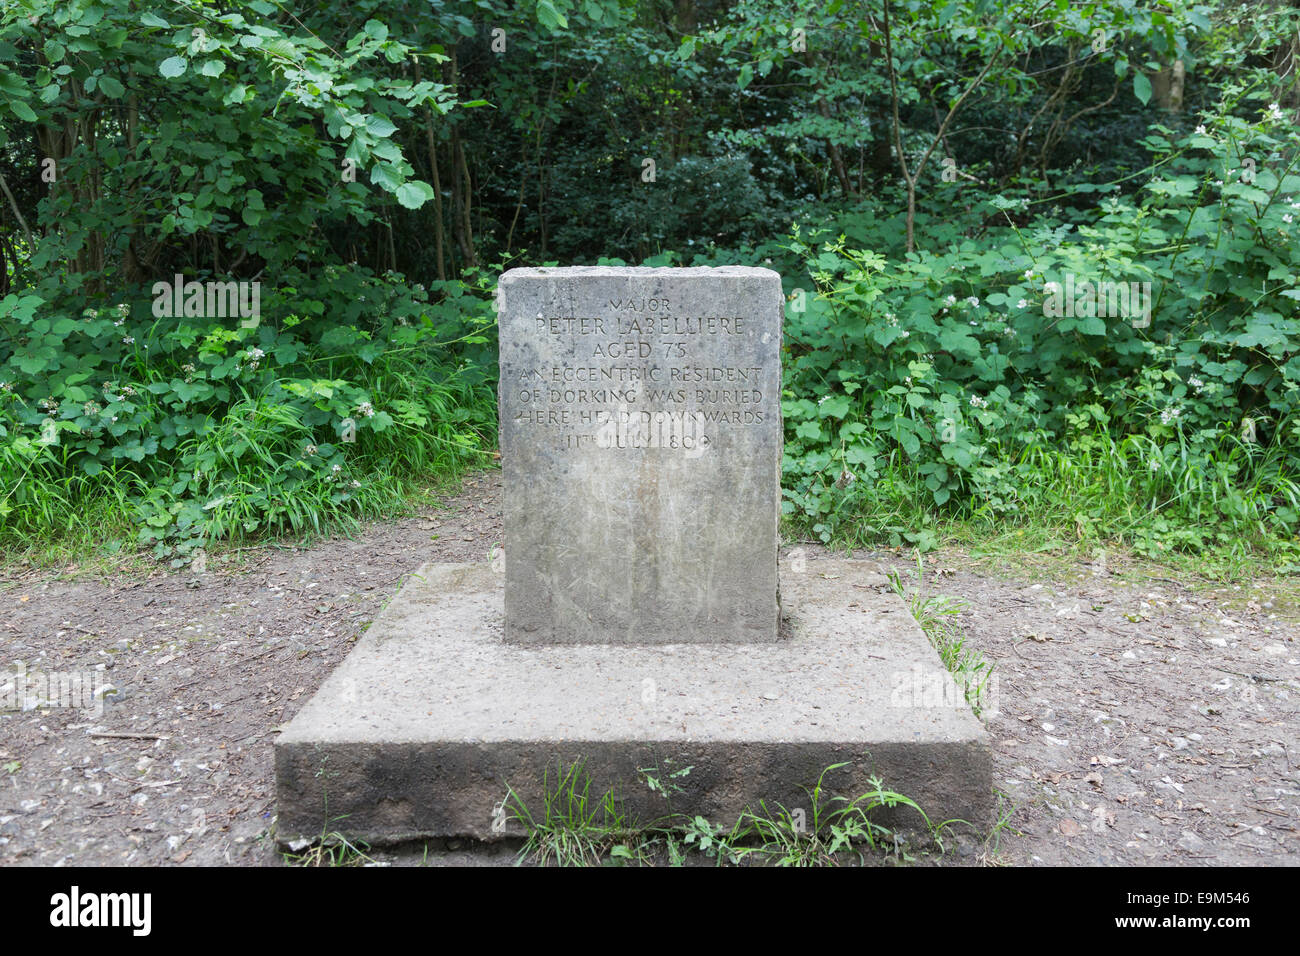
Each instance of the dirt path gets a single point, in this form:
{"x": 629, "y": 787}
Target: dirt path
{"x": 1142, "y": 724}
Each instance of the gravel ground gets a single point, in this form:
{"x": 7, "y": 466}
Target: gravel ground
{"x": 1136, "y": 722}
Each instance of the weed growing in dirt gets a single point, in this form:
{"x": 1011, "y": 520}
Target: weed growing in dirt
{"x": 574, "y": 828}
{"x": 332, "y": 847}
{"x": 992, "y": 852}
{"x": 936, "y": 615}
{"x": 578, "y": 829}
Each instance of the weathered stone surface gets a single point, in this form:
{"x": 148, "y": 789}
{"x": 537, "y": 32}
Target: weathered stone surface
{"x": 637, "y": 624}
{"x": 420, "y": 731}
{"x": 641, "y": 450}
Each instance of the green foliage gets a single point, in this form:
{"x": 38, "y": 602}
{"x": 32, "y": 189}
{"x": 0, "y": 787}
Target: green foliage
{"x": 951, "y": 377}
{"x": 316, "y": 414}
{"x": 575, "y": 827}
{"x": 936, "y": 615}
{"x": 833, "y": 827}
{"x": 943, "y": 163}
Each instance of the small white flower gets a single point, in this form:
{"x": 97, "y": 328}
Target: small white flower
{"x": 1029, "y": 273}
{"x": 1022, "y": 304}
{"x": 366, "y": 410}
{"x": 974, "y": 300}
{"x": 1274, "y": 111}
{"x": 1287, "y": 217}
{"x": 1200, "y": 131}
{"x": 128, "y": 340}
{"x": 951, "y": 300}
{"x": 256, "y": 354}
{"x": 1155, "y": 466}
{"x": 336, "y": 469}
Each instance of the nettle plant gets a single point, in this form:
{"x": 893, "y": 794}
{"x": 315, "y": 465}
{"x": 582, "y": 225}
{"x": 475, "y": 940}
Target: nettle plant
{"x": 949, "y": 376}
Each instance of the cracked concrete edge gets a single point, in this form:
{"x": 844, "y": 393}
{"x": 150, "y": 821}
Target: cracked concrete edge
{"x": 405, "y": 791}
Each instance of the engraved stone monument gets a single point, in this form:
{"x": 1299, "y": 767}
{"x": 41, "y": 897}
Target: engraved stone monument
{"x": 642, "y": 619}
{"x": 641, "y": 450}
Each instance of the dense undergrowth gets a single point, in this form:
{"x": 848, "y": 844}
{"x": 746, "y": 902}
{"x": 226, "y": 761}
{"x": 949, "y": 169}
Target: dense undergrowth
{"x": 176, "y": 434}
{"x": 1083, "y": 333}
{"x": 926, "y": 395}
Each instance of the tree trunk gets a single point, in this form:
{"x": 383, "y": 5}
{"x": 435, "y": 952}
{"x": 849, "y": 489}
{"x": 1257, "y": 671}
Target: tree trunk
{"x": 461, "y": 187}
{"x": 1167, "y": 87}
{"x": 438, "y": 237}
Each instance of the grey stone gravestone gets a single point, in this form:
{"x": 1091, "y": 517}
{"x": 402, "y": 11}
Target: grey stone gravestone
{"x": 637, "y": 624}
{"x": 641, "y": 451}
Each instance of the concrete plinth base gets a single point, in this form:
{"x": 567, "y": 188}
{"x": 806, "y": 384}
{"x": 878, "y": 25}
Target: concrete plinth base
{"x": 424, "y": 726}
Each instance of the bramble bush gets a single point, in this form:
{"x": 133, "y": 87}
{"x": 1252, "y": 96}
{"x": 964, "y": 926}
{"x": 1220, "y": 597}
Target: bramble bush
{"x": 937, "y": 384}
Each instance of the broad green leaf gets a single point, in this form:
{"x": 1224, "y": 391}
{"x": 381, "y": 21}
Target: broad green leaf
{"x": 22, "y": 111}
{"x": 380, "y": 126}
{"x": 385, "y": 176}
{"x": 173, "y": 66}
{"x": 413, "y": 194}
{"x": 550, "y": 16}
{"x": 1141, "y": 88}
